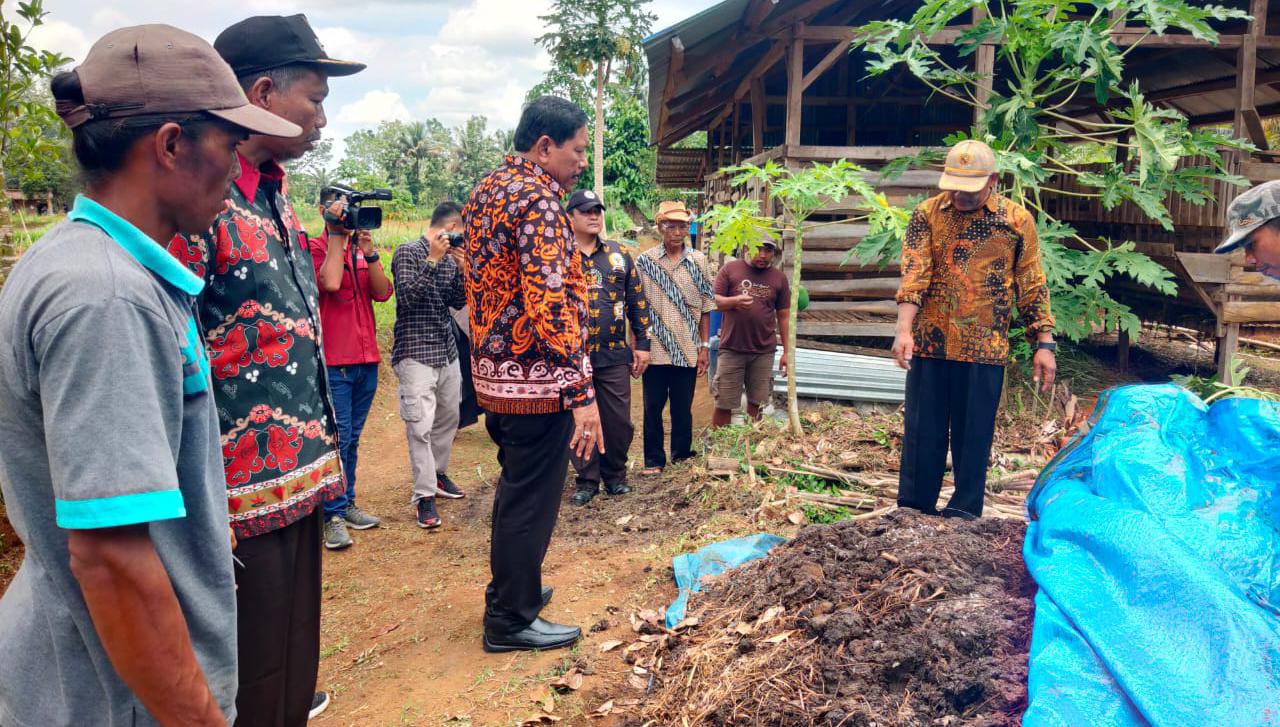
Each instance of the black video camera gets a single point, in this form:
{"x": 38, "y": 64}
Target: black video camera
{"x": 355, "y": 217}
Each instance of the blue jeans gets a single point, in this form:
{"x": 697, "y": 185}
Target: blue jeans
{"x": 352, "y": 388}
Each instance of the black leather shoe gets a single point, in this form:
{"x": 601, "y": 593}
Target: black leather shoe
{"x": 547, "y": 593}
{"x": 582, "y": 497}
{"x": 539, "y": 635}
{"x": 621, "y": 488}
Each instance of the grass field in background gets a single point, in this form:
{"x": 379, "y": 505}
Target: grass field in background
{"x": 27, "y": 229}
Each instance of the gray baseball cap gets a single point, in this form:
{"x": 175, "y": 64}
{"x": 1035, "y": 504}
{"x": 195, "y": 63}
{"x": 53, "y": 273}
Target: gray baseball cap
{"x": 1251, "y": 210}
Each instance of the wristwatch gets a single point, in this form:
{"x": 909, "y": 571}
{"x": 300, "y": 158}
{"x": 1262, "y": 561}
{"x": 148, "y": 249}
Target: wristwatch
{"x": 1049, "y": 346}
{"x": 705, "y": 344}
{"x": 372, "y": 258}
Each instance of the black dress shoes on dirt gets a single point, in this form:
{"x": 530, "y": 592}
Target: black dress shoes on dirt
{"x": 582, "y": 496}
{"x": 538, "y": 636}
{"x": 621, "y": 488}
{"x": 547, "y": 593}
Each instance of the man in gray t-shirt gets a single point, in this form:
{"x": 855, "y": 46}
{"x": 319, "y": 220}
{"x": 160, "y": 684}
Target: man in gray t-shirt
{"x": 123, "y": 612}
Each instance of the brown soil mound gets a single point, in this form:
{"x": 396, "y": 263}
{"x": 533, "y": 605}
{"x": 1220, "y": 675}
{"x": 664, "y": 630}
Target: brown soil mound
{"x": 898, "y": 620}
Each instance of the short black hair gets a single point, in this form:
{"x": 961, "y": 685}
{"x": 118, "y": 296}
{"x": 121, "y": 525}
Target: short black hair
{"x": 101, "y": 145}
{"x": 444, "y": 211}
{"x": 329, "y": 194}
{"x": 548, "y": 116}
{"x": 282, "y": 77}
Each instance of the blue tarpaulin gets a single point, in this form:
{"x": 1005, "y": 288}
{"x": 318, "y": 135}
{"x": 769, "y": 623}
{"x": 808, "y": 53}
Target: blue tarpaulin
{"x": 712, "y": 560}
{"x": 1155, "y": 541}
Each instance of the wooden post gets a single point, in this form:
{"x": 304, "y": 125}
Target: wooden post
{"x": 1122, "y": 351}
{"x": 1227, "y": 350}
{"x": 795, "y": 87}
{"x": 759, "y": 112}
{"x": 733, "y": 138}
{"x": 985, "y": 67}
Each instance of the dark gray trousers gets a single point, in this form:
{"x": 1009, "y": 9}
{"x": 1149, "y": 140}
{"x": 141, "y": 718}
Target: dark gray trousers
{"x": 613, "y": 396}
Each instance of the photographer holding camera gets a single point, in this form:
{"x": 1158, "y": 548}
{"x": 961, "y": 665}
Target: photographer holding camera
{"x": 351, "y": 277}
{"x": 429, "y": 275}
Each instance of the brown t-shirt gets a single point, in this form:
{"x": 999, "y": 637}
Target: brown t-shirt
{"x": 755, "y": 329}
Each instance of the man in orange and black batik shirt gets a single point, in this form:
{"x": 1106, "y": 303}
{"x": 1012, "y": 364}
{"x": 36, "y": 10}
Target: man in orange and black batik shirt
{"x": 532, "y": 373}
{"x": 969, "y": 257}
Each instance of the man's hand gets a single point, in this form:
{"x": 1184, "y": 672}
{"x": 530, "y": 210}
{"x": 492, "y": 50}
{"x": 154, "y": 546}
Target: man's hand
{"x": 459, "y": 255}
{"x": 782, "y": 364}
{"x": 1045, "y": 369}
{"x": 904, "y": 346}
{"x": 704, "y": 361}
{"x": 587, "y": 433}
{"x": 742, "y": 301}
{"x": 438, "y": 247}
{"x": 639, "y": 362}
{"x": 364, "y": 239}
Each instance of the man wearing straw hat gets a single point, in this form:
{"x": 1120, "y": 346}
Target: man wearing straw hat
{"x": 969, "y": 257}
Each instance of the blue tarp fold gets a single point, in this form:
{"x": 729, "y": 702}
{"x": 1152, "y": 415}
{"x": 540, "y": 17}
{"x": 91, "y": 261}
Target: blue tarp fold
{"x": 1155, "y": 541}
{"x": 712, "y": 560}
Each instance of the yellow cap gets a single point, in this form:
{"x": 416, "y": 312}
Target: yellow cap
{"x": 969, "y": 165}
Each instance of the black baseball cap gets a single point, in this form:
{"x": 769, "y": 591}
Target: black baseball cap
{"x": 584, "y": 200}
{"x": 264, "y": 42}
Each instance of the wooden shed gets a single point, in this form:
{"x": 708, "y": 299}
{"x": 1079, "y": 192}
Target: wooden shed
{"x": 774, "y": 80}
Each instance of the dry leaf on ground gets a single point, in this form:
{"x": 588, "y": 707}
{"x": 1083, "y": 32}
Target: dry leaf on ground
{"x": 609, "y": 646}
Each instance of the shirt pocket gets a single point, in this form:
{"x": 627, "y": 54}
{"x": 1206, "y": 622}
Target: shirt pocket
{"x": 195, "y": 360}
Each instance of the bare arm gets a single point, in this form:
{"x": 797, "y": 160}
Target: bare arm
{"x": 379, "y": 283}
{"x": 136, "y": 615}
{"x": 329, "y": 275}
{"x": 784, "y": 326}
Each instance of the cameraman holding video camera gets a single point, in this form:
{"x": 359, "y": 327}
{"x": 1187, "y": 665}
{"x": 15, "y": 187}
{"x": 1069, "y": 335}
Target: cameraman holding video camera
{"x": 429, "y": 276}
{"x": 351, "y": 277}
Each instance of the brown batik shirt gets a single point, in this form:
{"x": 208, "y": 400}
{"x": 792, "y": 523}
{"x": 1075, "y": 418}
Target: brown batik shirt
{"x": 967, "y": 271}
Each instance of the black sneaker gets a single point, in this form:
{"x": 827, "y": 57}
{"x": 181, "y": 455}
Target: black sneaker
{"x": 319, "y": 703}
{"x": 428, "y": 518}
{"x": 448, "y": 488}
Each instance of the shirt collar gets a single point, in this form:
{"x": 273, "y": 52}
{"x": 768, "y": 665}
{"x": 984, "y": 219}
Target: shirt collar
{"x": 992, "y": 204}
{"x": 251, "y": 177}
{"x": 149, "y": 253}
{"x": 534, "y": 169}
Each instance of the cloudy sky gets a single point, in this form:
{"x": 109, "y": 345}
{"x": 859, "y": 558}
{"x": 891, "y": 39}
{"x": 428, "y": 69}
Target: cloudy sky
{"x": 448, "y": 59}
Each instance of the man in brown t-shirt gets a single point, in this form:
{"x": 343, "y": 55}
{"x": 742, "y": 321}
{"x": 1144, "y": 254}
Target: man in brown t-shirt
{"x": 754, "y": 298}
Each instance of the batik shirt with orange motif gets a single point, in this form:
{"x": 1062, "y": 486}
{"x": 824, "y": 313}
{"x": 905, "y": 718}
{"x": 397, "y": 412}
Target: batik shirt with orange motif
{"x": 527, "y": 295}
{"x": 967, "y": 271}
{"x": 260, "y": 314}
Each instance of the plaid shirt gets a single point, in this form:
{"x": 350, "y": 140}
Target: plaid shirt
{"x": 425, "y": 291}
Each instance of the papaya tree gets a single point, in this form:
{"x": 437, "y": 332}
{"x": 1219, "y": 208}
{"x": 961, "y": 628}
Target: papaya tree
{"x": 588, "y": 37}
{"x": 1058, "y": 107}
{"x": 740, "y": 229}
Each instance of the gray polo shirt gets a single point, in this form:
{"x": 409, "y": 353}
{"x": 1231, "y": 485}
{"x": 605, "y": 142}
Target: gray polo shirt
{"x": 106, "y": 420}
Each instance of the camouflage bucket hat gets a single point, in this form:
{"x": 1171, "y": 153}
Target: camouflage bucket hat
{"x": 1251, "y": 210}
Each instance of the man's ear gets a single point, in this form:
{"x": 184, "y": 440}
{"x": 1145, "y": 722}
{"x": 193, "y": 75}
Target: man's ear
{"x": 260, "y": 92}
{"x": 165, "y": 145}
{"x": 542, "y": 147}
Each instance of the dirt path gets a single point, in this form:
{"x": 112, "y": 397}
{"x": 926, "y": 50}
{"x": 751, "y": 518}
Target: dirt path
{"x": 402, "y": 608}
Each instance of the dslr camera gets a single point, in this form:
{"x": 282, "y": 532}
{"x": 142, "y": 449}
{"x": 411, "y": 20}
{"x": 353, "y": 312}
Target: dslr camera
{"x": 456, "y": 239}
{"x": 354, "y": 215}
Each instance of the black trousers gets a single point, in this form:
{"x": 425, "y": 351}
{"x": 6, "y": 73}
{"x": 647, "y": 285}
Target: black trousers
{"x": 613, "y": 396}
{"x": 468, "y": 410}
{"x": 533, "y": 451}
{"x": 663, "y": 384}
{"x": 278, "y": 624}
{"x": 952, "y": 397}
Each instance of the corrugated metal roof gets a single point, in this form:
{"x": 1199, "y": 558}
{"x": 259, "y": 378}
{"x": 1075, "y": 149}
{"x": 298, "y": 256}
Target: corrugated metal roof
{"x": 844, "y": 377}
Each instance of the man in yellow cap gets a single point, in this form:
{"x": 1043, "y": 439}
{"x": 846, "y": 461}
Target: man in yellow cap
{"x": 969, "y": 258}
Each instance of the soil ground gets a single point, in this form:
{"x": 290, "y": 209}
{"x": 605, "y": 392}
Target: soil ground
{"x": 402, "y": 608}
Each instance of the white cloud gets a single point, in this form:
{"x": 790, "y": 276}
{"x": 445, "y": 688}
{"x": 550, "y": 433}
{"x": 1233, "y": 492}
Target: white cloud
{"x": 500, "y": 27}
{"x": 108, "y": 19}
{"x": 59, "y": 36}
{"x": 374, "y": 108}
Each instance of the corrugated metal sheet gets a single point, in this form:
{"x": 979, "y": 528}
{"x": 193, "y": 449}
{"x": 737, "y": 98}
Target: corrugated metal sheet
{"x": 845, "y": 377}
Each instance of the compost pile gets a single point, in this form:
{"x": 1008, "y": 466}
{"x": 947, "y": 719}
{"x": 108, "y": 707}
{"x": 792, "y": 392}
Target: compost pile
{"x": 897, "y": 620}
